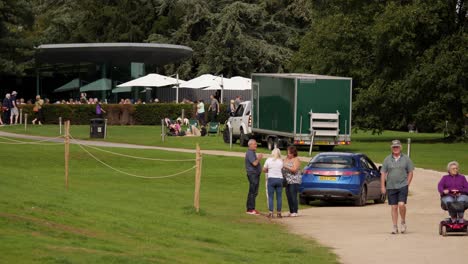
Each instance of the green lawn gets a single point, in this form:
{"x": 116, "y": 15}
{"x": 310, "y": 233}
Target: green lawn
{"x": 427, "y": 150}
{"x": 108, "y": 217}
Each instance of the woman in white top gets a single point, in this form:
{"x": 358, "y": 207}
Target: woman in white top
{"x": 272, "y": 168}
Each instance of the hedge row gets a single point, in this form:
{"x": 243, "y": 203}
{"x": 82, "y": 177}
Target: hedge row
{"x": 118, "y": 114}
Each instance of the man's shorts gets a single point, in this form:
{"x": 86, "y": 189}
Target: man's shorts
{"x": 397, "y": 195}
{"x": 14, "y": 111}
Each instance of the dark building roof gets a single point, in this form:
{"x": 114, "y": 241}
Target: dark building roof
{"x": 115, "y": 53}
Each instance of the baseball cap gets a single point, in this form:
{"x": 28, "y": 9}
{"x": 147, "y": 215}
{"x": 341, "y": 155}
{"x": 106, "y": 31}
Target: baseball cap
{"x": 396, "y": 143}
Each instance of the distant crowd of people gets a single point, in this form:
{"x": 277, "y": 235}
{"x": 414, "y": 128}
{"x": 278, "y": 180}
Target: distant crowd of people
{"x": 10, "y": 105}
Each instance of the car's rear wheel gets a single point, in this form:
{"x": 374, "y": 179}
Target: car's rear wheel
{"x": 362, "y": 199}
{"x": 381, "y": 199}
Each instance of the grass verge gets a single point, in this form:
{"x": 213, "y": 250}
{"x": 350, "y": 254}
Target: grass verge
{"x": 107, "y": 217}
{"x": 428, "y": 150}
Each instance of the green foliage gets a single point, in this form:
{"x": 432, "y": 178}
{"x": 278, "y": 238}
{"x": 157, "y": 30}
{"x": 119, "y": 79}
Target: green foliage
{"x": 406, "y": 59}
{"x": 118, "y": 114}
{"x": 15, "y": 44}
{"x": 151, "y": 114}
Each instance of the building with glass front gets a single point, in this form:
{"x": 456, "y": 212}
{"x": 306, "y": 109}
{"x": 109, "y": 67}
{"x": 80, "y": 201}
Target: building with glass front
{"x": 63, "y": 71}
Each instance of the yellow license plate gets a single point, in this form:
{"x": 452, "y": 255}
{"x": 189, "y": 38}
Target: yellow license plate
{"x": 327, "y": 178}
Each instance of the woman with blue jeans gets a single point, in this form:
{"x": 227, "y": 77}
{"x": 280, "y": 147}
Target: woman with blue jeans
{"x": 272, "y": 168}
{"x": 292, "y": 173}
{"x": 453, "y": 188}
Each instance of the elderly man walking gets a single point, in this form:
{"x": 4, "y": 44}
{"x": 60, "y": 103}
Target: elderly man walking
{"x": 397, "y": 172}
{"x": 254, "y": 169}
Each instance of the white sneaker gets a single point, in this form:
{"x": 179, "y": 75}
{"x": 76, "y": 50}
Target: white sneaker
{"x": 395, "y": 230}
{"x": 403, "y": 228}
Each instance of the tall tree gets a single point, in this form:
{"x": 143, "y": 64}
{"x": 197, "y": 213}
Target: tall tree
{"x": 405, "y": 57}
{"x": 16, "y": 47}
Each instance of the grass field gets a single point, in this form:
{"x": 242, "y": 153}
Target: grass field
{"x": 427, "y": 150}
{"x": 108, "y": 217}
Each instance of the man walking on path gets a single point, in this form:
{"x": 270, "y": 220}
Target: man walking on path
{"x": 213, "y": 109}
{"x": 14, "y": 109}
{"x": 397, "y": 172}
{"x": 254, "y": 169}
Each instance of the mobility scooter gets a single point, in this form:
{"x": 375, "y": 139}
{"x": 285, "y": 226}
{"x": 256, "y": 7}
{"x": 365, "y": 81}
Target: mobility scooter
{"x": 460, "y": 226}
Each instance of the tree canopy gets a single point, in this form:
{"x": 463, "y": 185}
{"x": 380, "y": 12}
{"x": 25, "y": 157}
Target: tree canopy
{"x": 407, "y": 58}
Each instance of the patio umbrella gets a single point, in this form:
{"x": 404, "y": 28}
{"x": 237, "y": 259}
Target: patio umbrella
{"x": 239, "y": 83}
{"x": 207, "y": 81}
{"x": 103, "y": 84}
{"x": 155, "y": 80}
{"x": 235, "y": 83}
{"x": 122, "y": 90}
{"x": 69, "y": 86}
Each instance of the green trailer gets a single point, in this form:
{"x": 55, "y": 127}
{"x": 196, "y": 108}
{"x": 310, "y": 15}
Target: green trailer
{"x": 301, "y": 108}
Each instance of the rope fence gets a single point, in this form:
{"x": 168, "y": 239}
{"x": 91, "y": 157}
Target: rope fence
{"x": 130, "y": 174}
{"x": 65, "y": 140}
{"x": 129, "y": 156}
{"x": 38, "y": 142}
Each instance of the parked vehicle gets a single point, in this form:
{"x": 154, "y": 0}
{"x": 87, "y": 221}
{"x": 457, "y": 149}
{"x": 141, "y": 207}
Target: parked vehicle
{"x": 341, "y": 176}
{"x": 294, "y": 109}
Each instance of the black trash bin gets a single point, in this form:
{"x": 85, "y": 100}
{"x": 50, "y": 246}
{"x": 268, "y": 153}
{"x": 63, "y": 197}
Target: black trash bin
{"x": 97, "y": 128}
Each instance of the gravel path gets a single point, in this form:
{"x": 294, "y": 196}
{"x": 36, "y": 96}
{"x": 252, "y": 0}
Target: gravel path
{"x": 361, "y": 235}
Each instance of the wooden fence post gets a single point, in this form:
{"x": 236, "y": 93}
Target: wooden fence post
{"x": 67, "y": 150}
{"x": 198, "y": 165}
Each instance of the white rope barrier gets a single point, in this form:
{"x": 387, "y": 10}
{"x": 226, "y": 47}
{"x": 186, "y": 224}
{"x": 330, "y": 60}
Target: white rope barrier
{"x": 129, "y": 156}
{"x": 130, "y": 174}
{"x": 39, "y": 142}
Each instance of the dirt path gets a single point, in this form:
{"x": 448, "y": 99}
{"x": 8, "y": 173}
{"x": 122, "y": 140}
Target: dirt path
{"x": 361, "y": 235}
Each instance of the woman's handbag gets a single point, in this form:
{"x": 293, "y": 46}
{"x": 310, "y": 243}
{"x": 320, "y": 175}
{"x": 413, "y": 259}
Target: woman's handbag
{"x": 35, "y": 108}
{"x": 285, "y": 173}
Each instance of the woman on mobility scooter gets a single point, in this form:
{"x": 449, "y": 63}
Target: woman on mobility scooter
{"x": 453, "y": 189}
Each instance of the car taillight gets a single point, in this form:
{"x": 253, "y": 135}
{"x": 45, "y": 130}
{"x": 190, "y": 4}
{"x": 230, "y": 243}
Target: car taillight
{"x": 250, "y": 120}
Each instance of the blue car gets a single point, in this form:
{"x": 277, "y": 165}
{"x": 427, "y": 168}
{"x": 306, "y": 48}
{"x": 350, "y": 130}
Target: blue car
{"x": 341, "y": 176}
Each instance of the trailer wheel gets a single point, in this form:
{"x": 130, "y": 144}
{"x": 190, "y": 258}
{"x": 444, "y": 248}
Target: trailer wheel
{"x": 326, "y": 148}
{"x": 270, "y": 143}
{"x": 243, "y": 140}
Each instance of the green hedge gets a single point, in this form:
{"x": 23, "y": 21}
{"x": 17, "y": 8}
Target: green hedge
{"x": 117, "y": 114}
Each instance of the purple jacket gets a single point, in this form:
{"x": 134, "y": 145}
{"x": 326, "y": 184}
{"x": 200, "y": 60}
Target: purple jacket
{"x": 449, "y": 182}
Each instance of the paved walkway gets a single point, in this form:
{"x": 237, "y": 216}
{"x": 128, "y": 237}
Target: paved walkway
{"x": 361, "y": 235}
